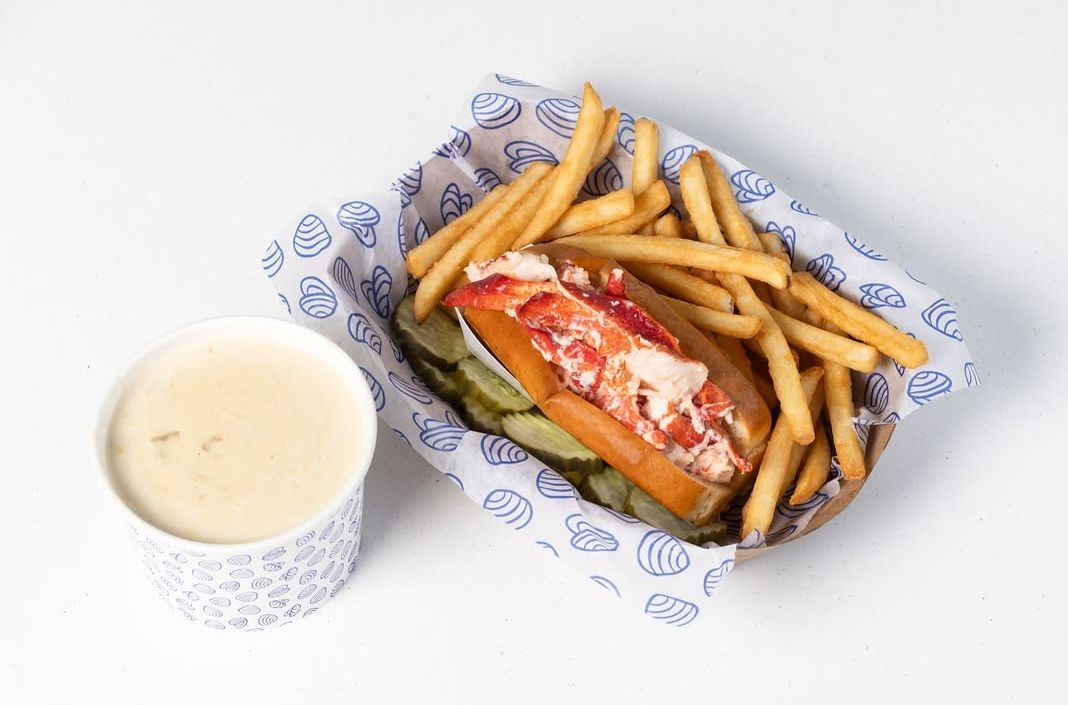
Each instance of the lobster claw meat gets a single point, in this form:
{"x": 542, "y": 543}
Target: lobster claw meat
{"x": 497, "y": 292}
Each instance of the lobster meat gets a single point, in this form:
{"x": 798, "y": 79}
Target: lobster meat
{"x": 616, "y": 356}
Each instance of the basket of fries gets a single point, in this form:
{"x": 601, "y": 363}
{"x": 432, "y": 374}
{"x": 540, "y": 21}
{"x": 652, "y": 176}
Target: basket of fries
{"x": 632, "y": 349}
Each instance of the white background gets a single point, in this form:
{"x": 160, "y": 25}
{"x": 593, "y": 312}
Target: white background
{"x": 147, "y": 156}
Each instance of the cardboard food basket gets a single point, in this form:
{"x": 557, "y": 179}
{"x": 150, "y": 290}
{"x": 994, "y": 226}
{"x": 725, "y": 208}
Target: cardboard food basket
{"x": 338, "y": 267}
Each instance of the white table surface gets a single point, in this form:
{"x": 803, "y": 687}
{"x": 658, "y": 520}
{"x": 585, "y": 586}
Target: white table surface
{"x": 147, "y": 156}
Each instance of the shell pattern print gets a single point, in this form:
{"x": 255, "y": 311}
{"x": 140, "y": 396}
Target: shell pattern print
{"x": 339, "y": 268}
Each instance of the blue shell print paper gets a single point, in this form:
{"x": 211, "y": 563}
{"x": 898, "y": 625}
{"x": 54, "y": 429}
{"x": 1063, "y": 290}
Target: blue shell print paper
{"x": 340, "y": 270}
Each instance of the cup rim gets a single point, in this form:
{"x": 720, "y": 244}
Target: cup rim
{"x": 322, "y": 347}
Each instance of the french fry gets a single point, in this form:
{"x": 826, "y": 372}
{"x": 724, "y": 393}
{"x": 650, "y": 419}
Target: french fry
{"x": 753, "y": 346}
{"x": 571, "y": 172}
{"x": 762, "y": 291}
{"x": 689, "y": 230}
{"x": 594, "y": 213}
{"x": 766, "y": 390}
{"x": 840, "y": 410}
{"x": 783, "y": 299}
{"x": 816, "y": 466}
{"x": 501, "y": 239}
{"x": 827, "y": 345}
{"x": 607, "y": 138}
{"x": 694, "y": 190}
{"x": 705, "y": 274}
{"x": 646, "y": 155}
{"x": 732, "y": 348}
{"x": 646, "y": 207}
{"x": 437, "y": 282}
{"x": 736, "y": 227}
{"x": 667, "y": 225}
{"x": 862, "y": 325}
{"x": 772, "y": 243}
{"x": 716, "y": 321}
{"x": 761, "y": 377}
{"x": 684, "y": 253}
{"x": 422, "y": 258}
{"x": 647, "y": 229}
{"x": 682, "y": 285}
{"x": 781, "y": 362}
{"x": 759, "y": 509}
{"x": 815, "y": 404}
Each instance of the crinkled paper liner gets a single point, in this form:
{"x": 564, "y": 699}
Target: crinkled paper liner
{"x": 339, "y": 269}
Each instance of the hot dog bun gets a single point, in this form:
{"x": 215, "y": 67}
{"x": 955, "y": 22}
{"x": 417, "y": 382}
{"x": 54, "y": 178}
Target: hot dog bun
{"x": 685, "y": 495}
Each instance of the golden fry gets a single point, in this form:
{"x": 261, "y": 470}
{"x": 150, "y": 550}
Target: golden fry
{"x": 646, "y": 155}
{"x": 737, "y": 228}
{"x": 646, "y": 207}
{"x": 772, "y": 243}
{"x": 826, "y": 345}
{"x": 759, "y": 509}
{"x": 862, "y": 325}
{"x": 667, "y": 225}
{"x": 571, "y": 172}
{"x": 684, "y": 253}
{"x": 437, "y": 282}
{"x": 689, "y": 230}
{"x": 815, "y": 404}
{"x": 501, "y": 239}
{"x": 772, "y": 342}
{"x": 816, "y": 467}
{"x": 763, "y": 292}
{"x": 422, "y": 258}
{"x": 607, "y": 138}
{"x": 732, "y": 348}
{"x": 590, "y": 214}
{"x": 840, "y": 410}
{"x": 766, "y": 390}
{"x": 716, "y": 321}
{"x": 694, "y": 190}
{"x": 783, "y": 299}
{"x": 682, "y": 285}
{"x": 753, "y": 346}
{"x": 782, "y": 362}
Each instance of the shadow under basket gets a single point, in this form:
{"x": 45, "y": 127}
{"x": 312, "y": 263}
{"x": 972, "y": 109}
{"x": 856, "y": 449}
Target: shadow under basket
{"x": 878, "y": 438}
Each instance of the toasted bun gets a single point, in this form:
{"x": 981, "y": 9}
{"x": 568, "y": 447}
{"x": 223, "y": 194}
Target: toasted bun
{"x": 683, "y": 494}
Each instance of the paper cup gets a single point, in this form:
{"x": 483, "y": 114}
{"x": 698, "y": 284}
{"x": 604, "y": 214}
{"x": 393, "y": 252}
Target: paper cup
{"x": 273, "y": 581}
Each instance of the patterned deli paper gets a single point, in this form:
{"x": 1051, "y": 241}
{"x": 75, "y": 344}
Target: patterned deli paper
{"x": 340, "y": 270}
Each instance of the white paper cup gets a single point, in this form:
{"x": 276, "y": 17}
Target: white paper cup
{"x": 271, "y": 582}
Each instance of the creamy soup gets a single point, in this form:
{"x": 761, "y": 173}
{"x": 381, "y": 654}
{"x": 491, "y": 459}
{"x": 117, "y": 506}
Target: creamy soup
{"x": 231, "y": 438}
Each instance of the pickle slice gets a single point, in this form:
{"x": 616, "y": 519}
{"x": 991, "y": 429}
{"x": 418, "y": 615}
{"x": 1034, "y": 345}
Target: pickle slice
{"x": 445, "y": 384}
{"x": 438, "y": 340}
{"x": 640, "y": 505}
{"x": 479, "y": 417}
{"x": 550, "y": 444}
{"x": 489, "y": 389}
{"x": 608, "y": 488}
